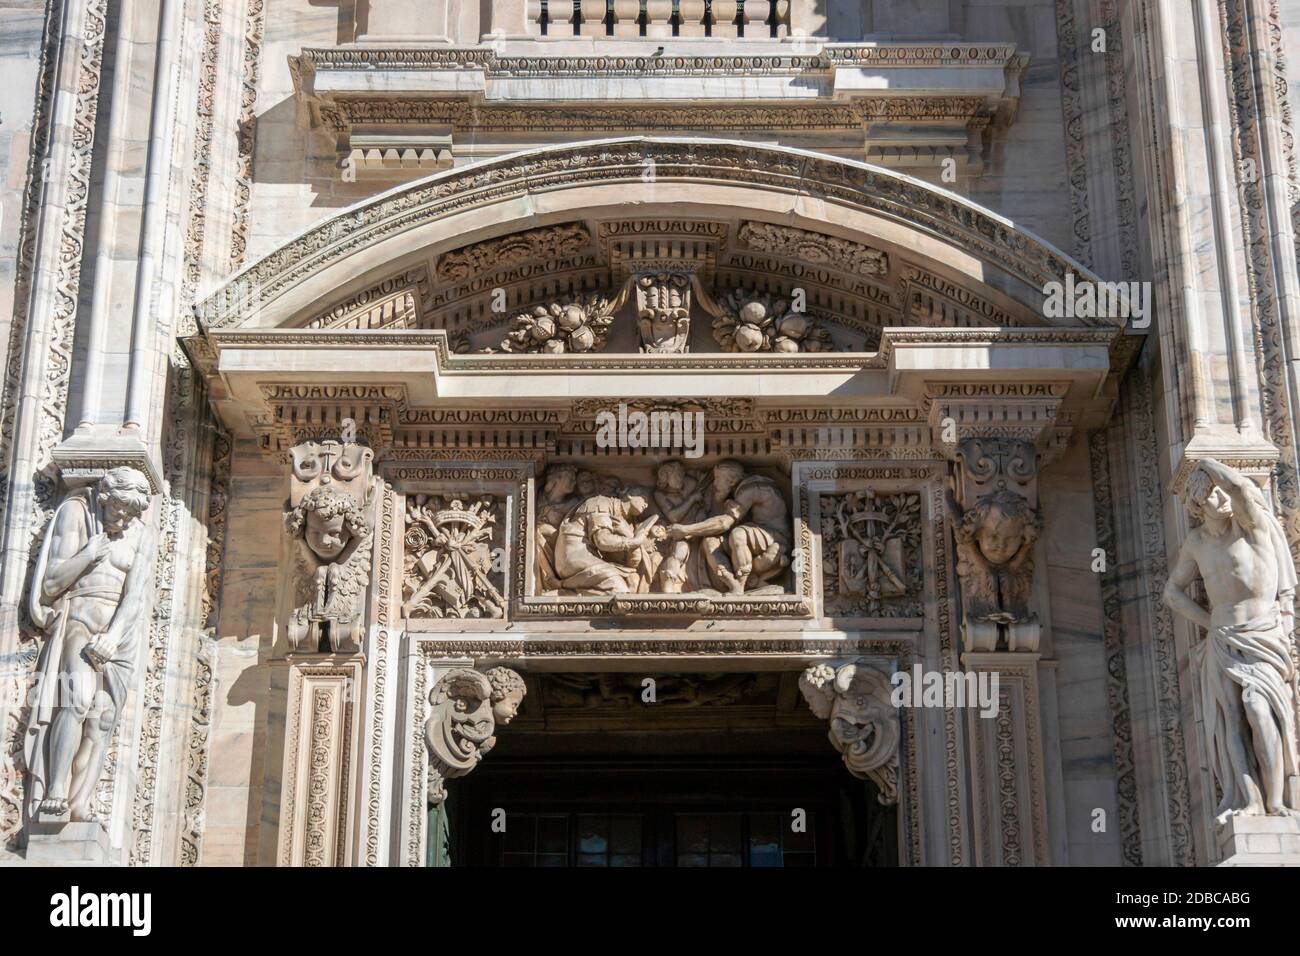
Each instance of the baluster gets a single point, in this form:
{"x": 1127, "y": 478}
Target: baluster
{"x": 659, "y": 18}
{"x": 536, "y": 16}
{"x": 627, "y": 15}
{"x": 724, "y": 18}
{"x": 593, "y": 18}
{"x": 780, "y": 18}
{"x": 690, "y": 18}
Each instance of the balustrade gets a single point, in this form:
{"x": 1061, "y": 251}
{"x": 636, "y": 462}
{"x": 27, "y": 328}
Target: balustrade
{"x": 733, "y": 19}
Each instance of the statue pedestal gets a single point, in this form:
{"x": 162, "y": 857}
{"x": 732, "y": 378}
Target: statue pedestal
{"x": 1259, "y": 841}
{"x": 58, "y": 842}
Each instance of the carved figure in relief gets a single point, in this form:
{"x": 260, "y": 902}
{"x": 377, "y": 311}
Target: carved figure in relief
{"x": 553, "y": 506}
{"x": 995, "y": 564}
{"x": 467, "y": 706}
{"x": 1246, "y": 666}
{"x": 745, "y": 541}
{"x": 600, "y": 551}
{"x": 328, "y": 541}
{"x": 333, "y": 569}
{"x": 679, "y": 497}
{"x": 90, "y": 586}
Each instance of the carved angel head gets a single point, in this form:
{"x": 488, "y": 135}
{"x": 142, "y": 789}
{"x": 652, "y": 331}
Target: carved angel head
{"x": 1002, "y": 523}
{"x": 508, "y": 692}
{"x": 328, "y": 520}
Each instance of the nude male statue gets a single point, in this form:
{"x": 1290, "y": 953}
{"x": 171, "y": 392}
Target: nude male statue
{"x": 746, "y": 540}
{"x": 89, "y": 592}
{"x": 1247, "y": 678}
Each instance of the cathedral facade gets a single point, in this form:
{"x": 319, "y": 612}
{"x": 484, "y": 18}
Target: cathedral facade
{"x": 660, "y": 433}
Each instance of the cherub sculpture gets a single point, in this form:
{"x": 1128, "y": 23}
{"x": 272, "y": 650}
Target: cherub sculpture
{"x": 995, "y": 564}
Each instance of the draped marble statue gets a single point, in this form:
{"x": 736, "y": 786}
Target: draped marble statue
{"x": 1246, "y": 672}
{"x": 90, "y": 587}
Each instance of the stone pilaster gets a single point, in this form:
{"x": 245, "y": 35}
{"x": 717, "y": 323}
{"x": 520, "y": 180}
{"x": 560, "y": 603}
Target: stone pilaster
{"x": 318, "y": 792}
{"x": 1010, "y": 806}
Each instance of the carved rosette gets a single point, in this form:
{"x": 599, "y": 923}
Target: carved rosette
{"x": 466, "y": 706}
{"x": 864, "y": 725}
{"x": 330, "y": 533}
{"x": 751, "y": 321}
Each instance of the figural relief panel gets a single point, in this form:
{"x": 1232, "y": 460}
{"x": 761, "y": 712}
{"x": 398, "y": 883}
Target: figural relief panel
{"x": 722, "y": 531}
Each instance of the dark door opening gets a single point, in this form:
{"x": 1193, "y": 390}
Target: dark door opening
{"x": 650, "y": 811}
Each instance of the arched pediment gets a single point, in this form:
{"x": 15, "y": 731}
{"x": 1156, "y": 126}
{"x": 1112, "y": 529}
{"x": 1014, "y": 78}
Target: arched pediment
{"x": 470, "y": 249}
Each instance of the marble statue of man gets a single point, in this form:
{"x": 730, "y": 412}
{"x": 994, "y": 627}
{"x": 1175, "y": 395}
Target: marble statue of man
{"x": 89, "y": 592}
{"x": 1247, "y": 677}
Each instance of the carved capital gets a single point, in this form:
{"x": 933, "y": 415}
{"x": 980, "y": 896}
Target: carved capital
{"x": 466, "y": 707}
{"x": 864, "y": 724}
{"x": 1014, "y": 411}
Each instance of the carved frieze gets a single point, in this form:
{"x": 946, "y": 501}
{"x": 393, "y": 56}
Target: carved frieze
{"x": 864, "y": 724}
{"x": 547, "y": 243}
{"x": 814, "y": 247}
{"x": 448, "y": 566}
{"x": 466, "y": 706}
{"x": 329, "y": 534}
{"x": 871, "y": 558}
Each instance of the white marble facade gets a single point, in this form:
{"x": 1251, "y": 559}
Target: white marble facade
{"x": 384, "y": 379}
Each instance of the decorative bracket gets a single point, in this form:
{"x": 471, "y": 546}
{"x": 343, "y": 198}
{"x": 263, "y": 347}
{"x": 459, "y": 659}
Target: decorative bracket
{"x": 864, "y": 724}
{"x": 467, "y": 706}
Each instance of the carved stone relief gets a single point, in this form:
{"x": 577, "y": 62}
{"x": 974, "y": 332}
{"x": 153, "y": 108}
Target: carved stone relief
{"x": 448, "y": 568}
{"x": 466, "y": 707}
{"x": 330, "y": 532}
{"x": 814, "y": 247}
{"x": 864, "y": 725}
{"x": 91, "y": 584}
{"x": 720, "y": 531}
{"x": 663, "y": 311}
{"x": 578, "y": 325}
{"x": 871, "y": 554}
{"x": 750, "y": 321}
{"x": 598, "y": 692}
{"x": 996, "y": 528}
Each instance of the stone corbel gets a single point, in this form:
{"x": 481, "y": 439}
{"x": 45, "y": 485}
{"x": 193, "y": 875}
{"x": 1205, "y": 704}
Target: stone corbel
{"x": 996, "y": 524}
{"x": 466, "y": 706}
{"x": 329, "y": 536}
{"x": 864, "y": 725}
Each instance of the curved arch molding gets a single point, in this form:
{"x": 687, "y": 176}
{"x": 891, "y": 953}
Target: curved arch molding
{"x": 515, "y": 192}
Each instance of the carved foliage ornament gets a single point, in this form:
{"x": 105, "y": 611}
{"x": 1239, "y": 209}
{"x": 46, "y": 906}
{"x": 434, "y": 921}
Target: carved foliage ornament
{"x": 330, "y": 533}
{"x": 813, "y": 247}
{"x": 545, "y": 244}
{"x": 864, "y": 724}
{"x": 578, "y": 325}
{"x": 467, "y": 705}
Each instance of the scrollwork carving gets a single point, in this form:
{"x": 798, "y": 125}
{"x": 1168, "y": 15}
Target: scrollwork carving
{"x": 466, "y": 707}
{"x": 864, "y": 725}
